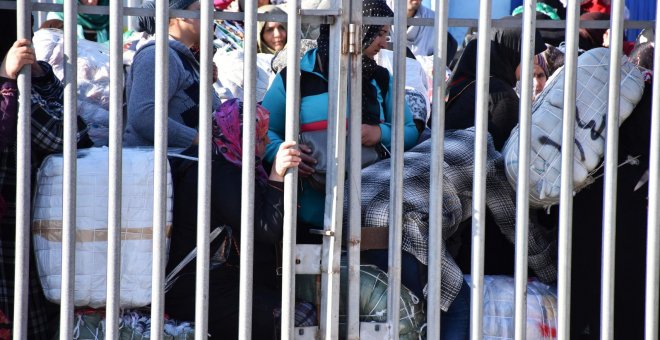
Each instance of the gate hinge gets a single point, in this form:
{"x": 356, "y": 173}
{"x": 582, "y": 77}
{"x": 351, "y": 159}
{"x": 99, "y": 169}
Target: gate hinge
{"x": 350, "y": 38}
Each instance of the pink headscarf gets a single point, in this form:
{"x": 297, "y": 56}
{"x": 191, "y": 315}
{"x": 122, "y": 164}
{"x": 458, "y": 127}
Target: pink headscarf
{"x": 221, "y": 5}
{"x": 228, "y": 134}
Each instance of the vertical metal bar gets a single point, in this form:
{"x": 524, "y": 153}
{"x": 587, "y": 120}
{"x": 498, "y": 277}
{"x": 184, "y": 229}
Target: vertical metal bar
{"x": 653, "y": 238}
{"x": 611, "y": 162}
{"x": 334, "y": 207}
{"x": 204, "y": 172}
{"x": 355, "y": 179}
{"x": 115, "y": 170}
{"x": 160, "y": 169}
{"x": 248, "y": 171}
{"x": 479, "y": 185}
{"x": 334, "y": 198}
{"x": 23, "y": 177}
{"x": 522, "y": 198}
{"x": 133, "y": 21}
{"x": 291, "y": 177}
{"x": 69, "y": 180}
{"x": 396, "y": 183}
{"x": 437, "y": 171}
{"x": 566, "y": 195}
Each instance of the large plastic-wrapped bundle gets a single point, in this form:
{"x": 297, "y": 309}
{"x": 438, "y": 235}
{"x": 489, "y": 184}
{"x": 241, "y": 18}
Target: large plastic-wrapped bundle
{"x": 373, "y": 301}
{"x": 93, "y": 77}
{"x": 499, "y": 309}
{"x": 590, "y": 122}
{"x": 416, "y": 79}
{"x": 231, "y": 78}
{"x": 92, "y": 226}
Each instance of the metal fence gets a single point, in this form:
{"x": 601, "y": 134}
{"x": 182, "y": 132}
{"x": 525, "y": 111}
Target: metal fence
{"x": 345, "y": 70}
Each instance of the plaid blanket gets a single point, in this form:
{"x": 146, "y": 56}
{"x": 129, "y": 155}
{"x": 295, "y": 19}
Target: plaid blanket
{"x": 457, "y": 205}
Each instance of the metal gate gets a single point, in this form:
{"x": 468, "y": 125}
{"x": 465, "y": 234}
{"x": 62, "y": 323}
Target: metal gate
{"x": 345, "y": 20}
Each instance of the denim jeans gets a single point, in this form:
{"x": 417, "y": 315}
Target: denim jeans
{"x": 455, "y": 322}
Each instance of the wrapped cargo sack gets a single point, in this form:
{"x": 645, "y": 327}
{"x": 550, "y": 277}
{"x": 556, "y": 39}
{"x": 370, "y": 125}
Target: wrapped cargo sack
{"x": 133, "y": 325}
{"x": 93, "y": 77}
{"x": 92, "y": 226}
{"x": 590, "y": 122}
{"x": 373, "y": 301}
{"x": 499, "y": 309}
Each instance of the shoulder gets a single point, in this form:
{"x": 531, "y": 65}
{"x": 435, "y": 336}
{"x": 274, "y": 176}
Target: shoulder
{"x": 425, "y": 12}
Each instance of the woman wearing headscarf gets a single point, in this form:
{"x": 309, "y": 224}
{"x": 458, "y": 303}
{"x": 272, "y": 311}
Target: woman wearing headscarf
{"x": 272, "y": 34}
{"x": 226, "y": 192}
{"x": 183, "y": 82}
{"x": 503, "y": 103}
{"x": 377, "y": 106}
{"x": 92, "y": 27}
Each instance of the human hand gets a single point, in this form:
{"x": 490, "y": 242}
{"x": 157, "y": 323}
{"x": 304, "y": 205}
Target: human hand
{"x": 306, "y": 167}
{"x": 19, "y": 55}
{"x": 287, "y": 157}
{"x": 370, "y": 134}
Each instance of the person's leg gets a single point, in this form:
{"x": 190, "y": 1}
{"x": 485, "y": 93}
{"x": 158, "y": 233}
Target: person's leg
{"x": 455, "y": 322}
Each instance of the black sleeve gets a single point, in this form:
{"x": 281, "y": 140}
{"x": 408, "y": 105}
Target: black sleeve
{"x": 459, "y": 114}
{"x": 503, "y": 116}
{"x": 226, "y": 192}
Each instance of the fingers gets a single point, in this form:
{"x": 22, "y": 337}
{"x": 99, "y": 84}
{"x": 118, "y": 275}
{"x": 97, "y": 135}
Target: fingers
{"x": 287, "y": 144}
{"x": 21, "y": 42}
{"x": 304, "y": 148}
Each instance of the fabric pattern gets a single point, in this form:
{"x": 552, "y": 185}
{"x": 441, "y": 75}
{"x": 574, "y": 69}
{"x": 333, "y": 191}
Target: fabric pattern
{"x": 228, "y": 134}
{"x": 457, "y": 205}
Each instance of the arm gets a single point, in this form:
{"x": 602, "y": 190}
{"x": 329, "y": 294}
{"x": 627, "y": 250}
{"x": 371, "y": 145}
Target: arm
{"x": 503, "y": 116}
{"x": 46, "y": 84}
{"x": 141, "y": 99}
{"x": 410, "y": 130}
{"x": 226, "y": 202}
{"x": 275, "y": 102}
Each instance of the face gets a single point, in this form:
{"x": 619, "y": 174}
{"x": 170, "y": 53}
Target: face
{"x": 188, "y": 29}
{"x": 274, "y": 35}
{"x": 380, "y": 41}
{"x": 413, "y": 5}
{"x": 89, "y": 2}
{"x": 539, "y": 80}
{"x": 263, "y": 3}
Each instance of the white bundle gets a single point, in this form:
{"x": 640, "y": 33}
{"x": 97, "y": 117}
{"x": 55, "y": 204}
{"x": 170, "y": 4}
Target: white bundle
{"x": 92, "y": 226}
{"x": 93, "y": 77}
{"x": 590, "y": 126}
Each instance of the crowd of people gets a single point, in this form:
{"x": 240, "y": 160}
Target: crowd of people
{"x": 276, "y": 155}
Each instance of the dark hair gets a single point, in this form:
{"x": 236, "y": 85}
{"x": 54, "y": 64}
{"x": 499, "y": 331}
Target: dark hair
{"x": 642, "y": 55}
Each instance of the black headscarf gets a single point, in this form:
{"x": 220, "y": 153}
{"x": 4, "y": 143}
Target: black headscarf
{"x": 370, "y": 70}
{"x": 505, "y": 48}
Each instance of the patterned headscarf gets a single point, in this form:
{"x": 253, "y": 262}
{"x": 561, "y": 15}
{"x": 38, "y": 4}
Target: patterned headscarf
{"x": 228, "y": 134}
{"x": 372, "y": 8}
